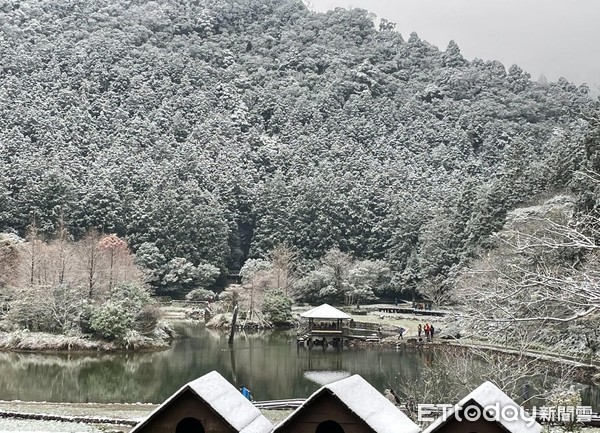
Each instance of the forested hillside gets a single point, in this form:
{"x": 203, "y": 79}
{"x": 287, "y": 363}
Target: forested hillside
{"x": 214, "y": 130}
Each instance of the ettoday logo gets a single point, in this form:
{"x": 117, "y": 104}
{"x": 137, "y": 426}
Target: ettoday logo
{"x": 509, "y": 413}
{"x": 473, "y": 412}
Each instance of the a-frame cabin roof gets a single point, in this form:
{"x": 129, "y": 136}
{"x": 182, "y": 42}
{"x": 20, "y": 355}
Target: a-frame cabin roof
{"x": 224, "y": 399}
{"x": 489, "y": 395}
{"x": 364, "y": 401}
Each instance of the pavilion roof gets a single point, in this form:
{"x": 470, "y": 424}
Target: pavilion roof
{"x": 325, "y": 311}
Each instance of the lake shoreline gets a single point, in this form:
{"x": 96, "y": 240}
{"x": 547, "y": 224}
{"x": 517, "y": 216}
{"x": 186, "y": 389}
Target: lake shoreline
{"x": 34, "y": 342}
{"x": 391, "y": 322}
{"x": 583, "y": 373}
{"x": 151, "y": 377}
{"x": 37, "y": 342}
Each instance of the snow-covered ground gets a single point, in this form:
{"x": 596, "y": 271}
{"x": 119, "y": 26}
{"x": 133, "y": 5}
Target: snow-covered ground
{"x": 30, "y": 426}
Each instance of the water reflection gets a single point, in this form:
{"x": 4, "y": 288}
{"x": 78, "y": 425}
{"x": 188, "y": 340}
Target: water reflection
{"x": 326, "y": 377}
{"x": 270, "y": 364}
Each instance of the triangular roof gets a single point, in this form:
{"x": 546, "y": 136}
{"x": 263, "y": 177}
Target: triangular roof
{"x": 366, "y": 402}
{"x": 489, "y": 395}
{"x": 223, "y": 398}
{"x": 325, "y": 311}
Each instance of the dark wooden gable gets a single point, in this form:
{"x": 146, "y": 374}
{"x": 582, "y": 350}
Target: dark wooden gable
{"x": 480, "y": 425}
{"x": 322, "y": 408}
{"x": 185, "y": 413}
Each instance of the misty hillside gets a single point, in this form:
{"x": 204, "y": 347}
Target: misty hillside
{"x": 214, "y": 130}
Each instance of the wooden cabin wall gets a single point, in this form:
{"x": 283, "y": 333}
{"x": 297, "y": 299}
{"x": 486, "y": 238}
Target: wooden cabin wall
{"x": 186, "y": 405}
{"x": 465, "y": 426}
{"x": 323, "y": 408}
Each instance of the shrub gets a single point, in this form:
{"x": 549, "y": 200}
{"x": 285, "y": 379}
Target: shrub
{"x": 198, "y": 295}
{"x": 277, "y": 307}
{"x": 85, "y": 320}
{"x": 147, "y": 319}
{"x": 53, "y": 309}
{"x": 131, "y": 296}
{"x": 228, "y": 299}
{"x": 112, "y": 321}
{"x": 565, "y": 397}
{"x": 129, "y": 308}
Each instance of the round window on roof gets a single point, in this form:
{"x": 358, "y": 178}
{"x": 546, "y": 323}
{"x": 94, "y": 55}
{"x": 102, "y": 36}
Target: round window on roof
{"x": 189, "y": 425}
{"x": 329, "y": 427}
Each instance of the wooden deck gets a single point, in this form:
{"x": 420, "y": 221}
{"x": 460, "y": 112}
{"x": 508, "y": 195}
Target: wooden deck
{"x": 327, "y": 332}
{"x": 408, "y": 310}
{"x": 358, "y": 331}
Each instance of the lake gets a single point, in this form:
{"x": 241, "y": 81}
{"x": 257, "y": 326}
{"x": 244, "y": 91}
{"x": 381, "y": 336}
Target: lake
{"x": 269, "y": 364}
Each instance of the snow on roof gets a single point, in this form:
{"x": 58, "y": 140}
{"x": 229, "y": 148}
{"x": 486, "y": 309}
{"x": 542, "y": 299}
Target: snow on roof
{"x": 488, "y": 395}
{"x": 367, "y": 403}
{"x": 225, "y": 400}
{"x": 325, "y": 311}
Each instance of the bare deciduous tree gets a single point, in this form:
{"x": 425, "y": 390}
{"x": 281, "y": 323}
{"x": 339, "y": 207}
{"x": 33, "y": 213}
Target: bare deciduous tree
{"x": 31, "y": 250}
{"x": 89, "y": 257}
{"x": 449, "y": 375}
{"x": 542, "y": 278}
{"x": 435, "y": 292}
{"x": 64, "y": 251}
{"x": 256, "y": 277}
{"x": 64, "y": 306}
{"x": 117, "y": 250}
{"x": 284, "y": 259}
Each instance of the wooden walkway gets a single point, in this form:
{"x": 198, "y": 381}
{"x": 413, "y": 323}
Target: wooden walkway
{"x": 409, "y": 310}
{"x": 290, "y": 403}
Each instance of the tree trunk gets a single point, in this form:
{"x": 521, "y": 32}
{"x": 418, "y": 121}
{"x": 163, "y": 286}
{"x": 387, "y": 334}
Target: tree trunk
{"x": 233, "y": 320}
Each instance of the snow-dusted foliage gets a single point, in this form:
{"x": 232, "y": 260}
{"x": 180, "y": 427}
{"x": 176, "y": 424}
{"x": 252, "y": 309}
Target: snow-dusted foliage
{"x": 215, "y": 130}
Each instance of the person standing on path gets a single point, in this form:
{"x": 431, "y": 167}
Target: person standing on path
{"x": 400, "y": 332}
{"x": 246, "y": 392}
{"x": 426, "y": 328}
{"x": 419, "y": 330}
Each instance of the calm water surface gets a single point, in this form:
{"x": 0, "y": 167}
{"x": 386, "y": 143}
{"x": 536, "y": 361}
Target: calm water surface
{"x": 269, "y": 364}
